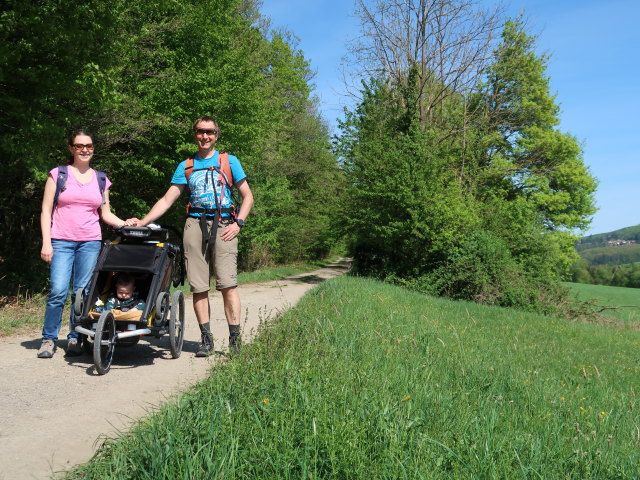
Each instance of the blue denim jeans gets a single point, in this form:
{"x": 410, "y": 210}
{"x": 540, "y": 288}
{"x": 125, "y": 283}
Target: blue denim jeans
{"x": 71, "y": 261}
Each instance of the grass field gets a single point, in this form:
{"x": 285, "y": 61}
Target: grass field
{"x": 365, "y": 380}
{"x": 611, "y": 296}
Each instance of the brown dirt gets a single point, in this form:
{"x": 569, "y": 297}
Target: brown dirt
{"x": 56, "y": 412}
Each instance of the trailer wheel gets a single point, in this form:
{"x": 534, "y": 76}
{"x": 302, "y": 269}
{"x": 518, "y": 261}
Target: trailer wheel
{"x": 77, "y": 304}
{"x": 104, "y": 342}
{"x": 162, "y": 309}
{"x": 176, "y": 324}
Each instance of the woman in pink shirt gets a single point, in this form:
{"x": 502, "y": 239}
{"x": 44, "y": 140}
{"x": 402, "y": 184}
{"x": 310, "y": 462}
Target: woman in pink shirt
{"x": 71, "y": 236}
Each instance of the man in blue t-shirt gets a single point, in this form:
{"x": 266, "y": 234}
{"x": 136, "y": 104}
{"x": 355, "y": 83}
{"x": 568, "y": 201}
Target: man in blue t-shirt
{"x": 211, "y": 228}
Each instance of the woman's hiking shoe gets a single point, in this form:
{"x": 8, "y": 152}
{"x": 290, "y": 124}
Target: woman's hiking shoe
{"x": 235, "y": 344}
{"x": 206, "y": 346}
{"x": 74, "y": 348}
{"x": 47, "y": 349}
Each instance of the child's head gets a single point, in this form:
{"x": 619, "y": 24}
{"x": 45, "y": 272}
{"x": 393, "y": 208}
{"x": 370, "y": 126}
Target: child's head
{"x": 124, "y": 286}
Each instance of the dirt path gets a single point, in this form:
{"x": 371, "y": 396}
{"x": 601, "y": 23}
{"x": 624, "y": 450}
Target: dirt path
{"x": 55, "y": 412}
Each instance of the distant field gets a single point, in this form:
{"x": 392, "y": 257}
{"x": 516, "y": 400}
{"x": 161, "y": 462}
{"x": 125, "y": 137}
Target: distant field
{"x": 365, "y": 380}
{"x": 611, "y": 296}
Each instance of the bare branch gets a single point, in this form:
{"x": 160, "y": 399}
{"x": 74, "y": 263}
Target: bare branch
{"x": 448, "y": 42}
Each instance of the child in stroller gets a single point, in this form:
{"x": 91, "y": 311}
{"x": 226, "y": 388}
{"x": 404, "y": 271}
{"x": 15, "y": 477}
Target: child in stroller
{"x": 125, "y": 302}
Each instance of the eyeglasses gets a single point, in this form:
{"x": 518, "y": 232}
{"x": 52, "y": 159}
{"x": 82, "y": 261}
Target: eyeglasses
{"x": 80, "y": 146}
{"x": 210, "y": 132}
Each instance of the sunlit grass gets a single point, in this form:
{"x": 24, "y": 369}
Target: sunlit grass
{"x": 366, "y": 380}
{"x": 627, "y": 300}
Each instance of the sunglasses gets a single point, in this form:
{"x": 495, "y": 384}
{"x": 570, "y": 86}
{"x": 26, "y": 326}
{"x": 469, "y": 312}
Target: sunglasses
{"x": 202, "y": 131}
{"x": 80, "y": 146}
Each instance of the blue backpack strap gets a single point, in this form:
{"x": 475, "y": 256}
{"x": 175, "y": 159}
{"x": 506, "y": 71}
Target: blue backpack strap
{"x": 102, "y": 181}
{"x": 102, "y": 184}
{"x": 61, "y": 183}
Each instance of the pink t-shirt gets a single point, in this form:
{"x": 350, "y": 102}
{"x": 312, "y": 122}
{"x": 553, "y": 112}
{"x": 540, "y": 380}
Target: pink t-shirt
{"x": 76, "y": 216}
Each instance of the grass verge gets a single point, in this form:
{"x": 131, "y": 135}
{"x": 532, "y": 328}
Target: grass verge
{"x": 367, "y": 380}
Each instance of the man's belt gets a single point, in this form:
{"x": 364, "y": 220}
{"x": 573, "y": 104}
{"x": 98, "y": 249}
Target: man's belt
{"x": 210, "y": 212}
{"x": 215, "y": 213}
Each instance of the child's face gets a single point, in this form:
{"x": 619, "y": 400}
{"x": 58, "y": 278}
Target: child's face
{"x": 124, "y": 291}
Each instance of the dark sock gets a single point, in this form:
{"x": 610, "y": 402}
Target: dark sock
{"x": 234, "y": 330}
{"x": 205, "y": 327}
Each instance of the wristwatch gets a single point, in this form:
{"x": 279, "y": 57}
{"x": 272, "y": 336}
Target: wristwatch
{"x": 240, "y": 222}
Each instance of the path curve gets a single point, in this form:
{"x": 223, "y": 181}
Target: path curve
{"x": 56, "y": 411}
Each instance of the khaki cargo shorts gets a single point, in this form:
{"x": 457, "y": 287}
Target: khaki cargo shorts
{"x": 224, "y": 255}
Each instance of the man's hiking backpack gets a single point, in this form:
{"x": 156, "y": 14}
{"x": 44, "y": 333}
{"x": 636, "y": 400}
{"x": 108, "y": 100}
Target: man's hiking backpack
{"x": 61, "y": 184}
{"x": 225, "y": 169}
{"x": 225, "y": 177}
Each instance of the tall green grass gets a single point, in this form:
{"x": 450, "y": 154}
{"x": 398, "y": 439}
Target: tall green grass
{"x": 365, "y": 380}
{"x": 607, "y": 296}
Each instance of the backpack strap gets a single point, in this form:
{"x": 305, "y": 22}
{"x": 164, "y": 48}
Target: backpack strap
{"x": 102, "y": 183}
{"x": 225, "y": 176}
{"x": 61, "y": 183}
{"x": 188, "y": 169}
{"x": 225, "y": 168}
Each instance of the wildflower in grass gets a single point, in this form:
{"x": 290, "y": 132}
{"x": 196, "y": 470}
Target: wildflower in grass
{"x": 265, "y": 400}
{"x": 583, "y": 410}
{"x": 406, "y": 397}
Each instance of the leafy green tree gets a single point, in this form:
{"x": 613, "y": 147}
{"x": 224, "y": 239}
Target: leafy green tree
{"x": 540, "y": 162}
{"x": 406, "y": 208}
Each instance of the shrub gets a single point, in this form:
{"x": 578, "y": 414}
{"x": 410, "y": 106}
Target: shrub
{"x": 482, "y": 269}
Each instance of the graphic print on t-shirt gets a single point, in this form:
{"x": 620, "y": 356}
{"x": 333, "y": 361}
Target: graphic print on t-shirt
{"x": 204, "y": 184}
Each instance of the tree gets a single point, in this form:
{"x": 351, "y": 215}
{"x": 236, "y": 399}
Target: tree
{"x": 478, "y": 198}
{"x": 445, "y": 43}
{"x": 527, "y": 157}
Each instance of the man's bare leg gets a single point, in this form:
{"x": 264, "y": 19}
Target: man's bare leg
{"x": 202, "y": 309}
{"x": 231, "y": 301}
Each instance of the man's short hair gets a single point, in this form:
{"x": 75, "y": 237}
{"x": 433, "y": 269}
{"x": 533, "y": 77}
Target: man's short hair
{"x": 206, "y": 118}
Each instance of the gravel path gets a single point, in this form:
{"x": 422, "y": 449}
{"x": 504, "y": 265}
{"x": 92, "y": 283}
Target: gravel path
{"x": 55, "y": 412}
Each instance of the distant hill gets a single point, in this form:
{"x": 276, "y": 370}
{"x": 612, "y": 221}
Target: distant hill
{"x": 602, "y": 239}
{"x": 611, "y": 258}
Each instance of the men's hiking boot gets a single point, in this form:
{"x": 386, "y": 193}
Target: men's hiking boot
{"x": 47, "y": 349}
{"x": 74, "y": 348}
{"x": 206, "y": 346}
{"x": 235, "y": 344}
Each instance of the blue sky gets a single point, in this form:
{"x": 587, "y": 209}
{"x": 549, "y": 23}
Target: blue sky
{"x": 594, "y": 69}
